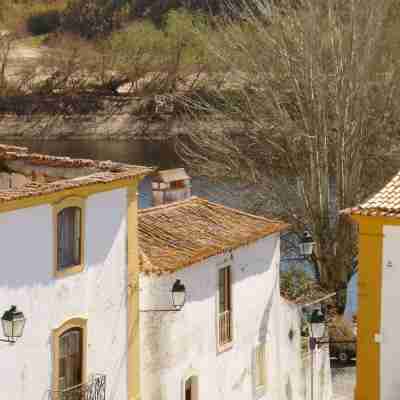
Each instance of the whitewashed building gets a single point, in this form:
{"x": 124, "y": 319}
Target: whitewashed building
{"x": 68, "y": 251}
{"x": 229, "y": 339}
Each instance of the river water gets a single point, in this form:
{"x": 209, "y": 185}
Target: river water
{"x": 150, "y": 153}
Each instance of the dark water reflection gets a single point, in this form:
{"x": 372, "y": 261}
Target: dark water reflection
{"x": 160, "y": 153}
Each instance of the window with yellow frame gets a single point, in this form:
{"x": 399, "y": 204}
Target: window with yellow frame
{"x": 69, "y": 236}
{"x": 69, "y": 356}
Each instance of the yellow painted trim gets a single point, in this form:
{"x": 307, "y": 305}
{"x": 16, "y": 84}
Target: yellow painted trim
{"x": 57, "y": 207}
{"x": 67, "y": 325}
{"x": 191, "y": 373}
{"x": 82, "y": 191}
{"x": 369, "y": 304}
{"x": 133, "y": 296}
{"x": 361, "y": 220}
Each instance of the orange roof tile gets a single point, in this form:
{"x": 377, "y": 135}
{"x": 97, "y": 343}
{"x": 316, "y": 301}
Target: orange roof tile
{"x": 385, "y": 203}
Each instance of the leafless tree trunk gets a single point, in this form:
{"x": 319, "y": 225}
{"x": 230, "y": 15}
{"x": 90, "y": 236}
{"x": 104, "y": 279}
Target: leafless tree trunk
{"x": 6, "y": 42}
{"x": 309, "y": 111}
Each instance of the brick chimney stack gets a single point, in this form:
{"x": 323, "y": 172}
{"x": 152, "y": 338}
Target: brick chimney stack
{"x": 171, "y": 185}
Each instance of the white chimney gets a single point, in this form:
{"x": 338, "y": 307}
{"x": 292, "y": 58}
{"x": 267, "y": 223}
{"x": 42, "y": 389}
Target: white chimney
{"x": 171, "y": 185}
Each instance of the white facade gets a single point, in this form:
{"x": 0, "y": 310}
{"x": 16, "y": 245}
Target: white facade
{"x": 177, "y": 345}
{"x": 97, "y": 294}
{"x": 390, "y": 324}
{"x": 291, "y": 364}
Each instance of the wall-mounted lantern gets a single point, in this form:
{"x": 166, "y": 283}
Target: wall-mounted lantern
{"x": 306, "y": 245}
{"x": 178, "y": 293}
{"x": 13, "y": 323}
{"x": 317, "y": 328}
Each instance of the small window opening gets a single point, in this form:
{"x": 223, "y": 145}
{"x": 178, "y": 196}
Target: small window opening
{"x": 177, "y": 184}
{"x": 69, "y": 237}
{"x": 225, "y": 312}
{"x": 70, "y": 359}
{"x": 191, "y": 388}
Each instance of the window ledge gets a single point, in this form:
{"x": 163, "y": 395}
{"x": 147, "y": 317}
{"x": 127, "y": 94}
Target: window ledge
{"x": 69, "y": 271}
{"x": 224, "y": 347}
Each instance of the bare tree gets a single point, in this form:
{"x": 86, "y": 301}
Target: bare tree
{"x": 308, "y": 111}
{"x": 6, "y": 42}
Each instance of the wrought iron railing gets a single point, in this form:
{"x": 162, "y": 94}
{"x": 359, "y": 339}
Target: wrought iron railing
{"x": 94, "y": 389}
{"x": 225, "y": 331}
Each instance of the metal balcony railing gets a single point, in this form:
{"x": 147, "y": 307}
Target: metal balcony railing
{"x": 225, "y": 331}
{"x": 94, "y": 389}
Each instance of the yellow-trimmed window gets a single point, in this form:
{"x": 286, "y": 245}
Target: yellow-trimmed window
{"x": 69, "y": 240}
{"x": 69, "y": 356}
{"x": 260, "y": 367}
{"x": 225, "y": 336}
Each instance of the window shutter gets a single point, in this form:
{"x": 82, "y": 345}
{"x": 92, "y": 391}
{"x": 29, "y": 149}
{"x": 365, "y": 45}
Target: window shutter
{"x": 221, "y": 291}
{"x": 225, "y": 315}
{"x": 77, "y": 236}
{"x": 61, "y": 239}
{"x": 70, "y": 363}
{"x": 69, "y": 237}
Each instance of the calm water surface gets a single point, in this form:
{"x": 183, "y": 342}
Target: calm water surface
{"x": 159, "y": 154}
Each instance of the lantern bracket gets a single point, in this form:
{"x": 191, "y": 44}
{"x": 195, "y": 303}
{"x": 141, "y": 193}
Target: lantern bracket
{"x": 10, "y": 341}
{"x": 162, "y": 309}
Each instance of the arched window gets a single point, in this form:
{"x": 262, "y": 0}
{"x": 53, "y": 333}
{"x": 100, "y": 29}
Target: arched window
{"x": 191, "y": 388}
{"x": 70, "y": 362}
{"x": 69, "y": 355}
{"x": 69, "y": 236}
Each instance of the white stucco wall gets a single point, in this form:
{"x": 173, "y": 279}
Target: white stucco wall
{"x": 175, "y": 345}
{"x": 390, "y": 325}
{"x": 98, "y": 294}
{"x": 291, "y": 365}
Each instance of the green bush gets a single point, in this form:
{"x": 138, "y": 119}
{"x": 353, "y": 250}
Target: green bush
{"x": 31, "y": 16}
{"x": 43, "y": 23}
{"x": 162, "y": 58}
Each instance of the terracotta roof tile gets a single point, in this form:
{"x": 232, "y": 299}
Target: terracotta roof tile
{"x": 94, "y": 172}
{"x": 385, "y": 203}
{"x": 180, "y": 234}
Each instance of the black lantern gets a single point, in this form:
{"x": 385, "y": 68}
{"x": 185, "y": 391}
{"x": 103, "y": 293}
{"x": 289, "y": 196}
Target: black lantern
{"x": 317, "y": 323}
{"x": 317, "y": 327}
{"x": 13, "y": 322}
{"x": 178, "y": 294}
{"x": 306, "y": 245}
